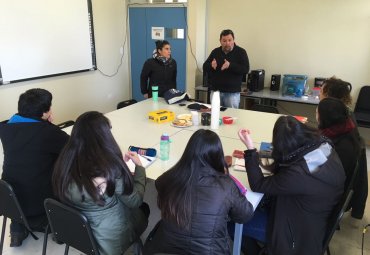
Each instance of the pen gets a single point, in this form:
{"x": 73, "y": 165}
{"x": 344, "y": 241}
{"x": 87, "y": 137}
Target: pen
{"x": 146, "y": 158}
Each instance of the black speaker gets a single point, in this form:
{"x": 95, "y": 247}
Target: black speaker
{"x": 255, "y": 80}
{"x": 275, "y": 82}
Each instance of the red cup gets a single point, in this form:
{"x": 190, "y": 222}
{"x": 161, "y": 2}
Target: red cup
{"x": 227, "y": 120}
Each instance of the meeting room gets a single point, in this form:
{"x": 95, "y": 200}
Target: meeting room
{"x": 184, "y": 127}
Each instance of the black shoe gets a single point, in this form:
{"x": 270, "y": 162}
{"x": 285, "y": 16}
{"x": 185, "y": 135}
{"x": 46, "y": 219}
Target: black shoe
{"x": 17, "y": 238}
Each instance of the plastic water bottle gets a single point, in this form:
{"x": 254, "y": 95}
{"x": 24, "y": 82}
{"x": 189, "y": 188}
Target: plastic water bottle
{"x": 215, "y": 110}
{"x": 155, "y": 93}
{"x": 165, "y": 147}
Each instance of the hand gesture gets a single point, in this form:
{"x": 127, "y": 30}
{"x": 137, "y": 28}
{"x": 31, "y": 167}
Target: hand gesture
{"x": 214, "y": 64}
{"x": 244, "y": 135}
{"x": 225, "y": 65}
{"x": 133, "y": 156}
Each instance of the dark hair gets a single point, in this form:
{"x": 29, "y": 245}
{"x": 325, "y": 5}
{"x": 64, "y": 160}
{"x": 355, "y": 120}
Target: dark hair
{"x": 91, "y": 152}
{"x": 337, "y": 88}
{"x": 174, "y": 196}
{"x": 332, "y": 111}
{"x": 227, "y": 32}
{"x": 34, "y": 103}
{"x": 289, "y": 135}
{"x": 160, "y": 44}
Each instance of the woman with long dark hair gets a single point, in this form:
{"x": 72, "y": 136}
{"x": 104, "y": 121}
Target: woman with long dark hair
{"x": 160, "y": 70}
{"x": 91, "y": 175}
{"x": 197, "y": 197}
{"x": 307, "y": 183}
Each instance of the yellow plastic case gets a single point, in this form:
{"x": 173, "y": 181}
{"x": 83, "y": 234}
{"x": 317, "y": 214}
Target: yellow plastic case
{"x": 161, "y": 116}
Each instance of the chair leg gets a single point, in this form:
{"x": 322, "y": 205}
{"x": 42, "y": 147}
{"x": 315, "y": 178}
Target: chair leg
{"x": 66, "y": 249}
{"x": 45, "y": 240}
{"x": 2, "y": 235}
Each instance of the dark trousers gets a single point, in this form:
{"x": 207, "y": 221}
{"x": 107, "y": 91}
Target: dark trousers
{"x": 36, "y": 223}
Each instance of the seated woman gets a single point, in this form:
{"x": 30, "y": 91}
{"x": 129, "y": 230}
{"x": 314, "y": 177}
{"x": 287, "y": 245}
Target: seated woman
{"x": 307, "y": 183}
{"x": 337, "y": 88}
{"x": 91, "y": 175}
{"x": 335, "y": 123}
{"x": 196, "y": 198}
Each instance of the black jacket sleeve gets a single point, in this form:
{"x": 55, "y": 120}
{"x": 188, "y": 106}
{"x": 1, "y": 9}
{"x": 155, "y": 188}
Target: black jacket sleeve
{"x": 144, "y": 77}
{"x": 241, "y": 66}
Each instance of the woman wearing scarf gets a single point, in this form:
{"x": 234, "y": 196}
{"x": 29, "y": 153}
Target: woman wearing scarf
{"x": 335, "y": 123}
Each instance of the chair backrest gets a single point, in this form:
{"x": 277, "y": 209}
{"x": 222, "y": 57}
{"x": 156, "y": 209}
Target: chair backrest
{"x": 9, "y": 206}
{"x": 70, "y": 227}
{"x": 363, "y": 103}
{"x": 341, "y": 207}
{"x": 335, "y": 219}
{"x": 264, "y": 108}
{"x": 126, "y": 103}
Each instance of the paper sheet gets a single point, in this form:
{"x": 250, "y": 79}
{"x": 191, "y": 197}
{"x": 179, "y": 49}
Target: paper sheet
{"x": 145, "y": 162}
{"x": 254, "y": 198}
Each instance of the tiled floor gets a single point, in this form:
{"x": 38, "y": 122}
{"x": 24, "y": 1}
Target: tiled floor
{"x": 347, "y": 241}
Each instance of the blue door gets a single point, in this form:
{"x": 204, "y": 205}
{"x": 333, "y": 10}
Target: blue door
{"x": 142, "y": 19}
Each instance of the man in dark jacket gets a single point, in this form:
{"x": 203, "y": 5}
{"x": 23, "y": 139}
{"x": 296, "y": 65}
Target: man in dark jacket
{"x": 31, "y": 146}
{"x": 226, "y": 66}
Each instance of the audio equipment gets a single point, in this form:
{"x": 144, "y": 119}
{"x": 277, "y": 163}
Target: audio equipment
{"x": 256, "y": 79}
{"x": 275, "y": 82}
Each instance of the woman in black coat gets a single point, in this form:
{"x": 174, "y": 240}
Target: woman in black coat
{"x": 335, "y": 123}
{"x": 337, "y": 88}
{"x": 161, "y": 71}
{"x": 307, "y": 184}
{"x": 197, "y": 198}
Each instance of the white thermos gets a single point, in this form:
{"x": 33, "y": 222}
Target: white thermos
{"x": 215, "y": 110}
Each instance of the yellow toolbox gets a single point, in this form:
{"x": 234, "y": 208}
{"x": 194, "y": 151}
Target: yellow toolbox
{"x": 161, "y": 116}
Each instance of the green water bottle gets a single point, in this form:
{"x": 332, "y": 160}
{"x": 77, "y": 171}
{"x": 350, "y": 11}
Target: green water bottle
{"x": 164, "y": 147}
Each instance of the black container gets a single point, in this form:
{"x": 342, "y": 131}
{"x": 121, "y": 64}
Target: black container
{"x": 256, "y": 80}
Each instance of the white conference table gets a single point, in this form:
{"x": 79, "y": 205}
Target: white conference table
{"x": 131, "y": 126}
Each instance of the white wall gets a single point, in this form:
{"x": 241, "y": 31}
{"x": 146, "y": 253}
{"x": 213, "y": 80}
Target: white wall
{"x": 318, "y": 38}
{"x": 77, "y": 93}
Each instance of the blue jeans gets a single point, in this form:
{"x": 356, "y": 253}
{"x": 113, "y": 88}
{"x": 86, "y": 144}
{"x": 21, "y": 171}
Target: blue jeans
{"x": 230, "y": 100}
{"x": 255, "y": 227}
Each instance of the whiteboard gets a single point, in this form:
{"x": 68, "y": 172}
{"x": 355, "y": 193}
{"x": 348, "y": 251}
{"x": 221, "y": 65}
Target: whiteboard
{"x": 41, "y": 38}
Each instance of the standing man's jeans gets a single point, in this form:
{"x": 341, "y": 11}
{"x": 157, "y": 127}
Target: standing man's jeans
{"x": 231, "y": 100}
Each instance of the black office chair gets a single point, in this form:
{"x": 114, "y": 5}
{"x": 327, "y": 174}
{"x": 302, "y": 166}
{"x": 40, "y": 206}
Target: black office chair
{"x": 71, "y": 227}
{"x": 66, "y": 124}
{"x": 264, "y": 108}
{"x": 362, "y": 108}
{"x": 10, "y": 208}
{"x": 335, "y": 220}
{"x": 126, "y": 103}
{"x": 340, "y": 209}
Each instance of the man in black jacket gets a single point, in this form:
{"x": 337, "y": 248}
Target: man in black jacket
{"x": 226, "y": 66}
{"x": 31, "y": 146}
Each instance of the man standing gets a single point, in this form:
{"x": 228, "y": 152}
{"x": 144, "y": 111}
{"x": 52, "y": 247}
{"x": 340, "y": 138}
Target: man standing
{"x": 226, "y": 66}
